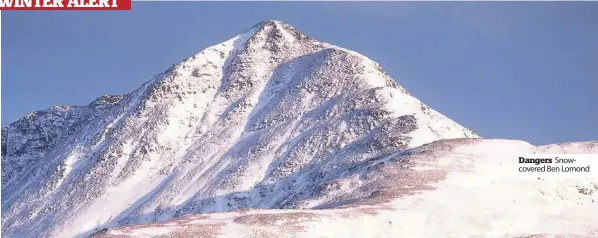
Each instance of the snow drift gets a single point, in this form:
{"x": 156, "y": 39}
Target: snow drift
{"x": 449, "y": 188}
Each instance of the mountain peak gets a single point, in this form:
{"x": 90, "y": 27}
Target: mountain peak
{"x": 260, "y": 111}
{"x": 276, "y": 32}
{"x": 271, "y": 23}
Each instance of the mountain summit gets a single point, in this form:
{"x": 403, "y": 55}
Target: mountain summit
{"x": 261, "y": 120}
{"x": 270, "y": 118}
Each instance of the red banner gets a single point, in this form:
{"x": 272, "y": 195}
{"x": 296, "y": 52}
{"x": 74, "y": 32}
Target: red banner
{"x": 65, "y": 5}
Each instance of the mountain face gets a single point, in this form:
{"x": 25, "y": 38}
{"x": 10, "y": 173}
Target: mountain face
{"x": 269, "y": 119}
{"x": 262, "y": 120}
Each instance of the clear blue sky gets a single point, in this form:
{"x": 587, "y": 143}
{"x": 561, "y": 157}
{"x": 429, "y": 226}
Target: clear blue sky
{"x": 507, "y": 70}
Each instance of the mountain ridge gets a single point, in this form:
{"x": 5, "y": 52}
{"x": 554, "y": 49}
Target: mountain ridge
{"x": 268, "y": 119}
{"x": 456, "y": 187}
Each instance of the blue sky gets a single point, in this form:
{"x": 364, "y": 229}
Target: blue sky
{"x": 505, "y": 69}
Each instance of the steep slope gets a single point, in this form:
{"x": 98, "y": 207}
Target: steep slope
{"x": 449, "y": 188}
{"x": 264, "y": 120}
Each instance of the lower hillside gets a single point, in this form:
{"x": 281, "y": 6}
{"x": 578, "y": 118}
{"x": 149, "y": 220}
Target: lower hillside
{"x": 449, "y": 188}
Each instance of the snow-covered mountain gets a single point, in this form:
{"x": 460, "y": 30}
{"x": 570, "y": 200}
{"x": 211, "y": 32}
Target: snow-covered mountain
{"x": 269, "y": 119}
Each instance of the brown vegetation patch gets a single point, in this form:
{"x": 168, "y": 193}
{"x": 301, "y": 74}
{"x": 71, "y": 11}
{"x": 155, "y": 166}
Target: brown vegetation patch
{"x": 269, "y": 219}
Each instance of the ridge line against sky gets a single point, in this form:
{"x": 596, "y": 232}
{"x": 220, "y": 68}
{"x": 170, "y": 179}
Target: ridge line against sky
{"x": 506, "y": 70}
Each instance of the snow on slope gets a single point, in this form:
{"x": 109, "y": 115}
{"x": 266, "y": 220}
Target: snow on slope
{"x": 266, "y": 119}
{"x": 473, "y": 193}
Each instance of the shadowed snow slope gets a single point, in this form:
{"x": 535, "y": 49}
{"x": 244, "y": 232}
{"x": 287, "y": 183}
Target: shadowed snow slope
{"x": 268, "y": 119}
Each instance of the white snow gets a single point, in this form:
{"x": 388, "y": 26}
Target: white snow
{"x": 483, "y": 201}
{"x": 268, "y": 119}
